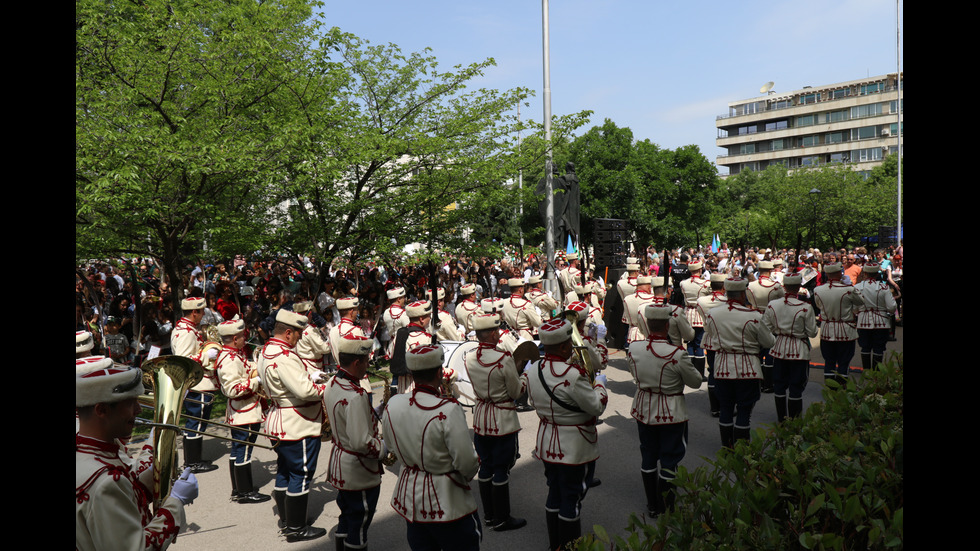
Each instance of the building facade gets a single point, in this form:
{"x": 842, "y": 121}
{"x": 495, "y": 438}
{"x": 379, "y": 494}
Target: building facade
{"x": 854, "y": 122}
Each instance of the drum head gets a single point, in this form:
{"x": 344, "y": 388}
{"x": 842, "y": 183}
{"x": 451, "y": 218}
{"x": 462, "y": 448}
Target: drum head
{"x": 455, "y": 360}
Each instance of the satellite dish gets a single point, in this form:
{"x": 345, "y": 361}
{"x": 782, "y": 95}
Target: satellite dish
{"x": 766, "y": 87}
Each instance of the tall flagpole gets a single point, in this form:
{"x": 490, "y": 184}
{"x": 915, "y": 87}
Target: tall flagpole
{"x": 550, "y": 282}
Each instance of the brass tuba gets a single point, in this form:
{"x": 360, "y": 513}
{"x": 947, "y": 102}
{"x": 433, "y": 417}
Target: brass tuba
{"x": 172, "y": 377}
{"x": 581, "y": 350}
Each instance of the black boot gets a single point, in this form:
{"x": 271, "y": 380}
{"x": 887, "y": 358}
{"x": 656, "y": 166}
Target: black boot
{"x": 568, "y": 531}
{"x": 767, "y": 379}
{"x": 699, "y": 365}
{"x": 667, "y": 495}
{"x": 795, "y": 407}
{"x": 876, "y": 361}
{"x": 652, "y": 492}
{"x": 296, "y": 527}
{"x": 486, "y": 498}
{"x": 713, "y": 402}
{"x": 234, "y": 480}
{"x": 246, "y": 489}
{"x": 551, "y": 519}
{"x": 727, "y": 436}
{"x": 742, "y": 433}
{"x": 193, "y": 448}
{"x": 522, "y": 404}
{"x": 866, "y": 361}
{"x": 340, "y": 542}
{"x": 501, "y": 506}
{"x": 780, "y": 407}
{"x": 280, "y": 497}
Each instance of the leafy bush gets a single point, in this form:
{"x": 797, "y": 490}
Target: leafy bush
{"x": 832, "y": 479}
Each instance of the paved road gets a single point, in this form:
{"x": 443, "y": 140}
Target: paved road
{"x": 216, "y": 523}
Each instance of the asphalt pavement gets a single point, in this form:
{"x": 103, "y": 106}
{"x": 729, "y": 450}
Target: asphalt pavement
{"x": 214, "y": 522}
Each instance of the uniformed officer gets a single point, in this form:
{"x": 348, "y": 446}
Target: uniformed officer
{"x": 571, "y": 274}
{"x": 568, "y": 405}
{"x": 187, "y": 340}
{"x": 626, "y": 285}
{"x": 295, "y": 418}
{"x": 680, "y": 330}
{"x": 838, "y": 304}
{"x": 519, "y": 313}
{"x": 394, "y": 316}
{"x": 349, "y": 311}
{"x": 447, "y": 325}
{"x": 760, "y": 293}
{"x": 661, "y": 371}
{"x": 705, "y": 304}
{"x": 414, "y": 334}
{"x": 467, "y": 308}
{"x": 736, "y": 334}
{"x": 428, "y": 433}
{"x": 694, "y": 288}
{"x": 792, "y": 321}
{"x": 312, "y": 347}
{"x": 240, "y": 384}
{"x": 496, "y": 383}
{"x": 355, "y": 462}
{"x": 113, "y": 494}
{"x": 874, "y": 317}
{"x": 546, "y": 305}
{"x": 634, "y": 305}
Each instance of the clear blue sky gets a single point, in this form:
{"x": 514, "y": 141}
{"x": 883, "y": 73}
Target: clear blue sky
{"x": 664, "y": 69}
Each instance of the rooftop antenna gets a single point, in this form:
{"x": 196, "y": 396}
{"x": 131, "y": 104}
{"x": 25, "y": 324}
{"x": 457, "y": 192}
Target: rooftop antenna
{"x": 767, "y": 88}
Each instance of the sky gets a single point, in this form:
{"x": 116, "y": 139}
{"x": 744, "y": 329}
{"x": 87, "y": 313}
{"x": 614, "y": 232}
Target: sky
{"x": 666, "y": 70}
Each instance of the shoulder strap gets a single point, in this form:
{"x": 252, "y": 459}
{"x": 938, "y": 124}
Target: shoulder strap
{"x": 554, "y": 398}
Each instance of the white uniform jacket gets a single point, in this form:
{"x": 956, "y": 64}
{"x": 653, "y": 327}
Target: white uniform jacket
{"x": 626, "y": 286}
{"x": 565, "y": 436}
{"x": 339, "y": 331}
{"x": 679, "y": 329}
{"x": 705, "y": 305}
{"x": 693, "y": 289}
{"x": 838, "y": 304}
{"x": 521, "y": 316}
{"x": 296, "y": 411}
{"x": 186, "y": 340}
{"x": 429, "y": 435}
{"x": 633, "y": 314}
{"x": 737, "y": 335}
{"x": 239, "y": 386}
{"x": 355, "y": 462}
{"x": 312, "y": 348}
{"x": 762, "y": 291}
{"x": 496, "y": 384}
{"x": 112, "y": 505}
{"x": 464, "y": 312}
{"x": 792, "y": 322}
{"x": 447, "y": 328}
{"x": 879, "y": 305}
{"x": 394, "y": 319}
{"x": 661, "y": 371}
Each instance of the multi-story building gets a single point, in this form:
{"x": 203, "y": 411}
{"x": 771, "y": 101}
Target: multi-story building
{"x": 852, "y": 122}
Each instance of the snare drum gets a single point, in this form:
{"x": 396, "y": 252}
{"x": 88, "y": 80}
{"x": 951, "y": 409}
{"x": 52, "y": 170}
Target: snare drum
{"x": 455, "y": 360}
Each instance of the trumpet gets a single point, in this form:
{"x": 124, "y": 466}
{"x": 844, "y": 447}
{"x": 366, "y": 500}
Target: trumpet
{"x": 581, "y": 350}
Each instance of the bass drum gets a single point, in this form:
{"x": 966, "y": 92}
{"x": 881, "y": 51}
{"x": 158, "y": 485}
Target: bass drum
{"x": 455, "y": 360}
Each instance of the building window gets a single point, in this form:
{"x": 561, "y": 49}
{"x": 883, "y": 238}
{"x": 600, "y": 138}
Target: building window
{"x": 834, "y": 137}
{"x": 893, "y": 106}
{"x": 872, "y": 88}
{"x": 809, "y": 141}
{"x": 864, "y": 133}
{"x": 777, "y": 125}
{"x": 747, "y": 148}
{"x": 812, "y": 160}
{"x": 781, "y": 104}
{"x": 777, "y": 145}
{"x": 743, "y": 130}
{"x": 868, "y": 155}
{"x": 807, "y": 120}
{"x": 838, "y": 116}
{"x": 838, "y": 94}
{"x": 871, "y": 110}
{"x": 809, "y": 98}
{"x": 838, "y": 157}
{"x": 893, "y": 128}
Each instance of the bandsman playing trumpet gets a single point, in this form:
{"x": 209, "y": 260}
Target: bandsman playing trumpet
{"x": 188, "y": 341}
{"x": 240, "y": 384}
{"x": 112, "y": 489}
{"x": 496, "y": 383}
{"x": 295, "y": 418}
{"x": 312, "y": 347}
{"x": 355, "y": 463}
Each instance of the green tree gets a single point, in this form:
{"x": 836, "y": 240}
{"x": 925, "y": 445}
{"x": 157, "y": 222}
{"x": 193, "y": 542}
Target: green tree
{"x": 180, "y": 122}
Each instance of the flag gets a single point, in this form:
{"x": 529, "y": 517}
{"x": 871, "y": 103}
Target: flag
{"x": 570, "y": 248}
{"x": 715, "y": 244}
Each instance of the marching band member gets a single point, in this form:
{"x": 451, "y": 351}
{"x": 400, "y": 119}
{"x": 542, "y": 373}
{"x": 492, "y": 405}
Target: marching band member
{"x": 567, "y": 441}
{"x": 541, "y": 300}
{"x": 793, "y": 323}
{"x": 497, "y": 384}
{"x": 428, "y": 433}
{"x": 633, "y": 307}
{"x": 680, "y": 329}
{"x": 355, "y": 461}
{"x": 467, "y": 307}
{"x": 874, "y": 317}
{"x": 736, "y": 333}
{"x": 394, "y": 316}
{"x": 311, "y": 348}
{"x": 295, "y": 418}
{"x": 112, "y": 489}
{"x": 694, "y": 288}
{"x": 705, "y": 304}
{"x": 838, "y": 304}
{"x": 187, "y": 340}
{"x": 661, "y": 370}
{"x": 760, "y": 293}
{"x": 570, "y": 275}
{"x": 240, "y": 384}
{"x": 519, "y": 312}
{"x": 447, "y": 325}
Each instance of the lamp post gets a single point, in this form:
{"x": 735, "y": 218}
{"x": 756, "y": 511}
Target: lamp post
{"x": 814, "y": 195}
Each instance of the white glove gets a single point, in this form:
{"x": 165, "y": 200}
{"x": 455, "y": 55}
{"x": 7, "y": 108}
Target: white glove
{"x": 527, "y": 368}
{"x": 601, "y": 331}
{"x": 212, "y": 354}
{"x": 185, "y": 488}
{"x": 600, "y": 379}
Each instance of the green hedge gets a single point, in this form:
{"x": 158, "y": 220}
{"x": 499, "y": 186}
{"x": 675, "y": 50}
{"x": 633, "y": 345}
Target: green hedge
{"x": 832, "y": 479}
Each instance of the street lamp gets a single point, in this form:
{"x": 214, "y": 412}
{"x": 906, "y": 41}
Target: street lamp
{"x": 814, "y": 194}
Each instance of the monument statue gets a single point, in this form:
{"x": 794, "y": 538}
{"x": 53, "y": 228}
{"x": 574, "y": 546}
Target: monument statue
{"x": 567, "y": 204}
